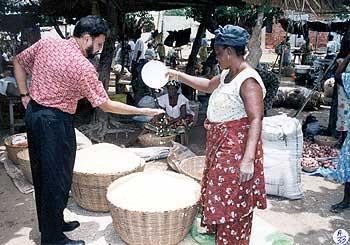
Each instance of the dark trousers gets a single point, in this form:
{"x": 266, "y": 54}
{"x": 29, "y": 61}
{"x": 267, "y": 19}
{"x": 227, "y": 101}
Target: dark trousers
{"x": 52, "y": 147}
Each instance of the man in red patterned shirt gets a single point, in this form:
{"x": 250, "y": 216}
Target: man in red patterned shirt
{"x": 61, "y": 75}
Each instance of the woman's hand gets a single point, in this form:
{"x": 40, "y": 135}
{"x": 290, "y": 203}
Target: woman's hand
{"x": 152, "y": 112}
{"x": 173, "y": 74}
{"x": 246, "y": 170}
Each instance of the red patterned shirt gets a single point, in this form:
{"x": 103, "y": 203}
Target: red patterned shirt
{"x": 61, "y": 75}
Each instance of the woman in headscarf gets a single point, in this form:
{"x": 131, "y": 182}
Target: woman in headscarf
{"x": 175, "y": 104}
{"x": 233, "y": 183}
{"x": 178, "y": 116}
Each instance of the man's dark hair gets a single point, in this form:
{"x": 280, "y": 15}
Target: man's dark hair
{"x": 92, "y": 25}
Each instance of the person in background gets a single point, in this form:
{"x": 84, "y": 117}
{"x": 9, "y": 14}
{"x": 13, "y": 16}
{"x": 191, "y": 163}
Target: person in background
{"x": 343, "y": 107}
{"x": 2, "y": 64}
{"x": 150, "y": 54}
{"x": 139, "y": 50}
{"x": 233, "y": 180}
{"x": 332, "y": 47}
{"x": 171, "y": 59}
{"x": 139, "y": 88}
{"x": 178, "y": 114}
{"x": 342, "y": 172}
{"x": 118, "y": 56}
{"x": 175, "y": 104}
{"x": 210, "y": 67}
{"x": 131, "y": 43}
{"x": 203, "y": 52}
{"x": 50, "y": 102}
{"x": 284, "y": 48}
{"x": 159, "y": 46}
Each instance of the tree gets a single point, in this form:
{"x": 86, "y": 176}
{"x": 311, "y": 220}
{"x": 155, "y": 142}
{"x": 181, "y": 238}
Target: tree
{"x": 19, "y": 16}
{"x": 176, "y": 12}
{"x": 249, "y": 16}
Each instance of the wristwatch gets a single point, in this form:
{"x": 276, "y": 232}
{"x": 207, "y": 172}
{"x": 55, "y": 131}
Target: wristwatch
{"x": 24, "y": 95}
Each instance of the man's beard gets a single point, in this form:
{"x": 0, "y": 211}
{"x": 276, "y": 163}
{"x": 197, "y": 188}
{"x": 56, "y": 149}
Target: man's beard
{"x": 90, "y": 52}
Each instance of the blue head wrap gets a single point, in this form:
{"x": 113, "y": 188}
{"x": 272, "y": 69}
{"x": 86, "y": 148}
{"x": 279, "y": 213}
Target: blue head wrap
{"x": 231, "y": 35}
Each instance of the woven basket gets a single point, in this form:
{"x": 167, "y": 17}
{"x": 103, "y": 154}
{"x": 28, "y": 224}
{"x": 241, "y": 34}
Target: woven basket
{"x": 325, "y": 140}
{"x": 89, "y": 190}
{"x": 24, "y": 164}
{"x": 150, "y": 139}
{"x": 12, "y": 150}
{"x": 152, "y": 228}
{"x": 193, "y": 167}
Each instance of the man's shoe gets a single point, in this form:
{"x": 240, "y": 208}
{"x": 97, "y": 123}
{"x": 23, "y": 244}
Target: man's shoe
{"x": 70, "y": 226}
{"x": 73, "y": 242}
{"x": 66, "y": 241}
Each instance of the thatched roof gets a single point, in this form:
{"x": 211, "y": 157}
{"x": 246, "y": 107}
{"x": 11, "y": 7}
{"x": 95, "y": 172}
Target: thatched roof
{"x": 138, "y": 5}
{"x": 318, "y": 6}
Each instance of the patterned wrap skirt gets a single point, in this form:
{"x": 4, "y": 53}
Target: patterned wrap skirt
{"x": 223, "y": 197}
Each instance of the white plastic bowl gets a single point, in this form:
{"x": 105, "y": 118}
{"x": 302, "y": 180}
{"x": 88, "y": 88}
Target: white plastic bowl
{"x": 154, "y": 74}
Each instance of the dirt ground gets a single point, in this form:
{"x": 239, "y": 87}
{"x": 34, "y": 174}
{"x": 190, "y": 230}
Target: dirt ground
{"x": 307, "y": 220}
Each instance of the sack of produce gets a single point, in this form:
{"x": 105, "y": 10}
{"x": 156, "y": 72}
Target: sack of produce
{"x": 283, "y": 147}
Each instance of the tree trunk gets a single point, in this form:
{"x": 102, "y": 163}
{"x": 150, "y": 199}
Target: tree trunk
{"x": 254, "y": 45}
{"x": 100, "y": 125}
{"x": 105, "y": 63}
{"x": 190, "y": 68}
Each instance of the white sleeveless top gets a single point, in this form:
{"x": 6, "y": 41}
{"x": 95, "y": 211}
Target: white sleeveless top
{"x": 174, "y": 112}
{"x": 225, "y": 103}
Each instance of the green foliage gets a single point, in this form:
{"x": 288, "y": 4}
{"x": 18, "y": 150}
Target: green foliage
{"x": 137, "y": 20}
{"x": 18, "y": 6}
{"x": 176, "y": 12}
{"x": 243, "y": 14}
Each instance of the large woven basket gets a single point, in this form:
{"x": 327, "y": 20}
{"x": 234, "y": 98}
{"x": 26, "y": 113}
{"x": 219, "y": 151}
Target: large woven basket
{"x": 193, "y": 167}
{"x": 89, "y": 190}
{"x": 152, "y": 228}
{"x": 150, "y": 139}
{"x": 12, "y": 150}
{"x": 24, "y": 164}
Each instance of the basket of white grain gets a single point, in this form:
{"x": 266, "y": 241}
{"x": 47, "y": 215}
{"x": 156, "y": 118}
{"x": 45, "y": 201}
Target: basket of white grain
{"x": 154, "y": 207}
{"x": 96, "y": 167}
